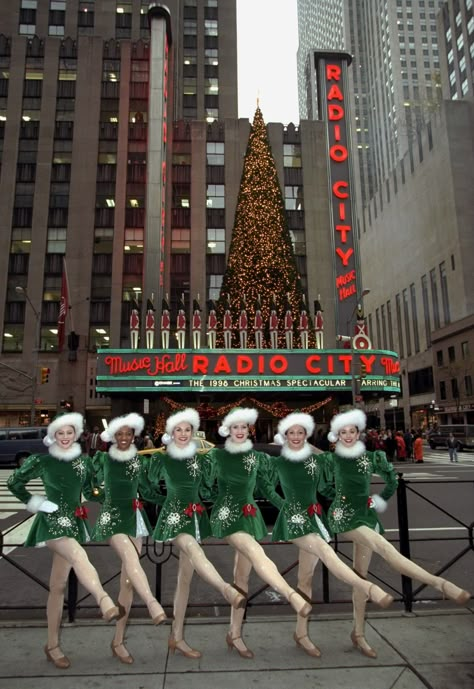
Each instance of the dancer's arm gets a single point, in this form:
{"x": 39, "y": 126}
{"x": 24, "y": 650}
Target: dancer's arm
{"x": 150, "y": 479}
{"x": 208, "y": 487}
{"x": 16, "y": 484}
{"x": 91, "y": 488}
{"x": 98, "y": 476}
{"x": 386, "y": 471}
{"x": 268, "y": 479}
{"x": 325, "y": 485}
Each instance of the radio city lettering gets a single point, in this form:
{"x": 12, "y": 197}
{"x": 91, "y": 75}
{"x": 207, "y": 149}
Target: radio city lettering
{"x": 290, "y": 365}
{"x": 346, "y": 281}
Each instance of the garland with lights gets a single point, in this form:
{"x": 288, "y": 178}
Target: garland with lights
{"x": 277, "y": 410}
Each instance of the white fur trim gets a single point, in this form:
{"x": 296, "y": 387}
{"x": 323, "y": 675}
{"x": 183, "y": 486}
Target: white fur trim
{"x": 354, "y": 417}
{"x": 379, "y": 504}
{"x": 297, "y": 419}
{"x": 356, "y": 450}
{"x": 181, "y": 452}
{"x": 235, "y": 448}
{"x": 65, "y": 455}
{"x": 187, "y": 415}
{"x": 122, "y": 455}
{"x": 132, "y": 420}
{"x": 73, "y": 419}
{"x": 297, "y": 455}
{"x": 237, "y": 415}
{"x": 34, "y": 503}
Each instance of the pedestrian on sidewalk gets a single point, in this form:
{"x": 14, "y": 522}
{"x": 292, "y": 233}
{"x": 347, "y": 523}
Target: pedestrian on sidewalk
{"x": 61, "y": 521}
{"x": 401, "y": 447}
{"x": 418, "y": 449}
{"x": 452, "y": 445}
{"x": 354, "y": 514}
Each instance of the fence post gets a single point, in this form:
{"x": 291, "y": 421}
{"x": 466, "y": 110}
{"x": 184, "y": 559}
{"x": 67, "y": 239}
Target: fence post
{"x": 403, "y": 530}
{"x": 72, "y": 591}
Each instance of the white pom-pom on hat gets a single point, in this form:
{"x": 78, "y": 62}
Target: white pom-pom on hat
{"x": 279, "y": 439}
{"x": 166, "y": 439}
{"x": 237, "y": 415}
{"x": 134, "y": 421}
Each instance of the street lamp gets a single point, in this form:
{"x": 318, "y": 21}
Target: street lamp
{"x": 21, "y": 290}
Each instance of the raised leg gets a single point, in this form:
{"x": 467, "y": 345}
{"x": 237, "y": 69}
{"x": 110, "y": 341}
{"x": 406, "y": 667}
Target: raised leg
{"x": 71, "y": 551}
{"x": 125, "y": 600}
{"x": 54, "y": 610}
{"x": 361, "y": 558}
{"x": 378, "y": 544}
{"x": 128, "y": 550}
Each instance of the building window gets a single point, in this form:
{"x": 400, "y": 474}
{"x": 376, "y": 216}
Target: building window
{"x": 211, "y": 87}
{"x": 444, "y": 292}
{"x": 215, "y": 196}
{"x": 215, "y": 284}
{"x": 377, "y": 325}
{"x": 406, "y": 314}
{"x": 414, "y": 314}
{"x": 439, "y": 357}
{"x": 468, "y": 385}
{"x": 389, "y": 325}
{"x": 434, "y": 299}
{"x": 211, "y": 27}
{"x": 384, "y": 326}
{"x": 426, "y": 309}
{"x": 180, "y": 241}
{"x": 442, "y": 390}
{"x": 454, "y": 388}
{"x": 291, "y": 155}
{"x": 294, "y": 198}
{"x": 465, "y": 350}
{"x": 215, "y": 241}
{"x": 399, "y": 326}
{"x": 451, "y": 354}
{"x": 214, "y": 153}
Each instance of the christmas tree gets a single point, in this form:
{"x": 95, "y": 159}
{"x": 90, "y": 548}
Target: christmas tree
{"x": 261, "y": 267}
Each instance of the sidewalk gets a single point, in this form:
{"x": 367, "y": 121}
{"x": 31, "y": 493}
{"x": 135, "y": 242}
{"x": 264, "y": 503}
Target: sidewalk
{"x": 433, "y": 650}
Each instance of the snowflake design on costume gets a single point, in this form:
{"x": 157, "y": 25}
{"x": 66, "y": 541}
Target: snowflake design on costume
{"x": 62, "y": 522}
{"x": 311, "y": 466}
{"x": 364, "y": 465}
{"x": 109, "y": 518}
{"x": 79, "y": 467}
{"x": 295, "y": 515}
{"x": 227, "y": 512}
{"x": 193, "y": 466}
{"x": 175, "y": 516}
{"x": 342, "y": 513}
{"x": 133, "y": 467}
{"x": 249, "y": 461}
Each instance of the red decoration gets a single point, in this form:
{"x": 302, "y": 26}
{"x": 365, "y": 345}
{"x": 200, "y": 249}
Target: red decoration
{"x": 315, "y": 508}
{"x": 81, "y": 512}
{"x": 249, "y": 510}
{"x": 194, "y": 507}
{"x": 137, "y": 504}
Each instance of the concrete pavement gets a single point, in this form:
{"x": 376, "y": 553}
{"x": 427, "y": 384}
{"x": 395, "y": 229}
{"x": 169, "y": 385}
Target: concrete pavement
{"x": 433, "y": 650}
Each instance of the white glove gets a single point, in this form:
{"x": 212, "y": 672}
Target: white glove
{"x": 378, "y": 503}
{"x": 39, "y": 503}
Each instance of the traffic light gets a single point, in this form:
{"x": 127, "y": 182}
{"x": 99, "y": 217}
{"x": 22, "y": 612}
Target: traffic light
{"x": 44, "y": 375}
{"x": 363, "y": 371}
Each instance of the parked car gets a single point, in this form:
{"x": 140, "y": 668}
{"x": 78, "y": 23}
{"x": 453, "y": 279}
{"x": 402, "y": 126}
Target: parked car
{"x": 16, "y": 444}
{"x": 464, "y": 435}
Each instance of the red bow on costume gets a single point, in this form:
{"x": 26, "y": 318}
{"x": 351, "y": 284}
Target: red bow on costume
{"x": 315, "y": 508}
{"x": 194, "y": 507}
{"x": 81, "y": 512}
{"x": 370, "y": 503}
{"x": 137, "y": 504}
{"x": 249, "y": 510}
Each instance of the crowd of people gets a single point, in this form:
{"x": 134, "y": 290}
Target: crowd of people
{"x": 108, "y": 469}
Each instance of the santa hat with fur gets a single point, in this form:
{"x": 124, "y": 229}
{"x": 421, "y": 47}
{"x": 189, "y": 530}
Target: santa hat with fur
{"x": 295, "y": 419}
{"x": 237, "y": 415}
{"x": 187, "y": 415}
{"x": 132, "y": 420}
{"x": 73, "y": 419}
{"x": 353, "y": 417}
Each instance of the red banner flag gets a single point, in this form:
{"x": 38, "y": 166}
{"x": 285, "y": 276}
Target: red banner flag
{"x": 63, "y": 308}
